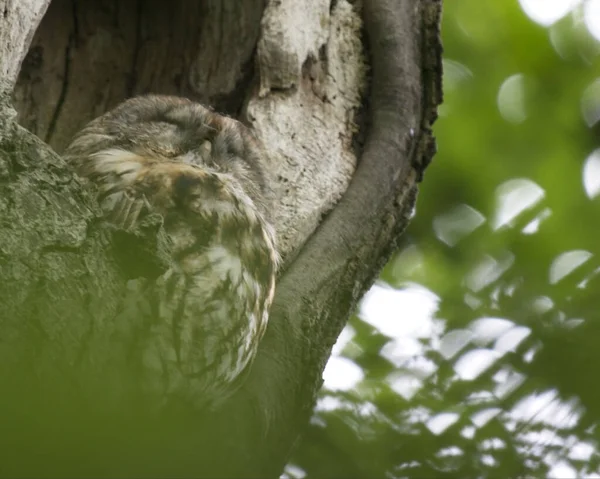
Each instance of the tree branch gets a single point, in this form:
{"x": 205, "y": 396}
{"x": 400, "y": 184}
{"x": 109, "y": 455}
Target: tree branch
{"x": 340, "y": 261}
{"x": 19, "y": 21}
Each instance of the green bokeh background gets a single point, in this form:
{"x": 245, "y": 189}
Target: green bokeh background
{"x": 490, "y": 133}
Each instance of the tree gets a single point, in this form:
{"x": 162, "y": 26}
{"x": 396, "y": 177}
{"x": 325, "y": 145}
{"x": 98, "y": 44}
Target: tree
{"x": 298, "y": 75}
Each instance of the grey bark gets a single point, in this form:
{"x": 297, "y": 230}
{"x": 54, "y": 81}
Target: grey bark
{"x": 300, "y": 75}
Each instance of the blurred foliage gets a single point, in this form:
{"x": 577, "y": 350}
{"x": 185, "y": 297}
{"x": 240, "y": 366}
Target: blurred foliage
{"x": 476, "y": 354}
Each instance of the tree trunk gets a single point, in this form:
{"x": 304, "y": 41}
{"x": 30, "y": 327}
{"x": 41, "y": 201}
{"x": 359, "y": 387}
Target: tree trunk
{"x": 301, "y": 75}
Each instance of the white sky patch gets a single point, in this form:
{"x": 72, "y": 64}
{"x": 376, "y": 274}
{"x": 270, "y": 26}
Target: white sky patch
{"x": 588, "y": 278}
{"x": 343, "y": 339}
{"x": 544, "y": 437}
{"x": 590, "y": 102}
{"x": 292, "y": 471}
{"x": 409, "y": 381}
{"x": 546, "y": 12}
{"x": 342, "y": 374}
{"x": 408, "y": 261}
{"x": 454, "y": 341}
{"x": 455, "y": 73}
{"x": 546, "y": 408}
{"x": 542, "y": 304}
{"x": 510, "y": 383}
{"x": 530, "y": 406}
{"x": 440, "y": 422}
{"x": 582, "y": 451}
{"x": 574, "y": 322}
{"x": 405, "y": 384}
{"x": 591, "y": 174}
{"x": 513, "y": 197}
{"x": 530, "y": 354}
{"x": 534, "y": 225}
{"x": 566, "y": 263}
{"x": 398, "y": 350}
{"x": 487, "y": 330}
{"x": 562, "y": 470}
{"x": 481, "y": 418}
{"x": 591, "y": 17}
{"x": 488, "y": 270}
{"x": 400, "y": 312}
{"x": 404, "y": 315}
{"x": 459, "y": 222}
{"x": 493, "y": 444}
{"x": 421, "y": 366}
{"x": 329, "y": 403}
{"x": 451, "y": 451}
{"x": 471, "y": 364}
{"x": 367, "y": 409}
{"x": 472, "y": 301}
{"x": 511, "y": 339}
{"x": 511, "y": 99}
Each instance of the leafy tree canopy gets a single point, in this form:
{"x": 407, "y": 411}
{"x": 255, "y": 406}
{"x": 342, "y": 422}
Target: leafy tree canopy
{"x": 476, "y": 354}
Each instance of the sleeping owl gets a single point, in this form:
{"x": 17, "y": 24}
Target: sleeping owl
{"x": 204, "y": 174}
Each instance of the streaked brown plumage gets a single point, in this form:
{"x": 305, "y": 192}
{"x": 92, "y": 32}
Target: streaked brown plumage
{"x": 203, "y": 173}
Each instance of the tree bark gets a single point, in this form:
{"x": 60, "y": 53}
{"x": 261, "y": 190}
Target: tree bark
{"x": 301, "y": 75}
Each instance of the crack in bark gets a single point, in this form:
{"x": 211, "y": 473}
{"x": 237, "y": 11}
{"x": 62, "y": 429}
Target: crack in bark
{"x": 63, "y": 92}
{"x": 75, "y": 14}
{"x": 132, "y": 80}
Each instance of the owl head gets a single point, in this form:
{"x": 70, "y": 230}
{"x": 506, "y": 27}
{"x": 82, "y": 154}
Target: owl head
{"x": 167, "y": 128}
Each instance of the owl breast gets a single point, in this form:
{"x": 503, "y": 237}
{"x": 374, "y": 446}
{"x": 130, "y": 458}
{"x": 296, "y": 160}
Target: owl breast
{"x": 200, "y": 172}
{"x": 213, "y": 304}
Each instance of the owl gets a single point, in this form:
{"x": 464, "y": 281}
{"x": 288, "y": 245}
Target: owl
{"x": 204, "y": 173}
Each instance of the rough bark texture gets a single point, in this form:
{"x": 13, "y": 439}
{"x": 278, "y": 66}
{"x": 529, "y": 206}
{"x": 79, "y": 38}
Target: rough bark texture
{"x": 297, "y": 73}
{"x": 18, "y": 22}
